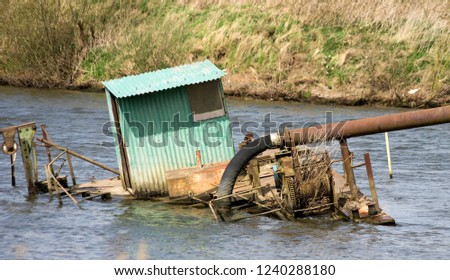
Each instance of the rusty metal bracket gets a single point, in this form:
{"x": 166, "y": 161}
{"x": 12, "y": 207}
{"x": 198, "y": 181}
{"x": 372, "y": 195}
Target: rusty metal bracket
{"x": 9, "y": 145}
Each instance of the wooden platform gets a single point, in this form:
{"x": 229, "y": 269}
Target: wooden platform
{"x": 342, "y": 189}
{"x": 114, "y": 187}
{"x": 111, "y": 185}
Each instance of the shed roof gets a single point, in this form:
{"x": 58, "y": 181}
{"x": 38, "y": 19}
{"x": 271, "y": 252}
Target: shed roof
{"x": 168, "y": 78}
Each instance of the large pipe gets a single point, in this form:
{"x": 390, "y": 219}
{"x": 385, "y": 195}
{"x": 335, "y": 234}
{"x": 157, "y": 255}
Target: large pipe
{"x": 234, "y": 167}
{"x": 368, "y": 126}
{"x": 327, "y": 132}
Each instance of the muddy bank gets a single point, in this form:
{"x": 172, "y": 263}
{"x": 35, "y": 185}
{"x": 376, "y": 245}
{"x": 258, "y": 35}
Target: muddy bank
{"x": 308, "y": 92}
{"x": 312, "y": 91}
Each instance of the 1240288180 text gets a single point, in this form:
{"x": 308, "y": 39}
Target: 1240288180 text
{"x": 296, "y": 269}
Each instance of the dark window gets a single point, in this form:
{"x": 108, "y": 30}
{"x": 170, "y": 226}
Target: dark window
{"x": 205, "y": 100}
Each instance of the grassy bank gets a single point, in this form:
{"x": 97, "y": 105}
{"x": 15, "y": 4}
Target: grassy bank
{"x": 347, "y": 52}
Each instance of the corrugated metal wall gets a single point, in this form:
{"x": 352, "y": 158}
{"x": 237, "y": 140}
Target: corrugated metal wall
{"x": 148, "y": 162}
{"x": 112, "y": 128}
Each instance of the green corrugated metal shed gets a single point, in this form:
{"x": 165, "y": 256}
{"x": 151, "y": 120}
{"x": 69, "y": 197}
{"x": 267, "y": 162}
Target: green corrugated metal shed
{"x": 164, "y": 79}
{"x": 162, "y": 120}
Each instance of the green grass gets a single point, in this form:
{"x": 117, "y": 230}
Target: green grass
{"x": 97, "y": 64}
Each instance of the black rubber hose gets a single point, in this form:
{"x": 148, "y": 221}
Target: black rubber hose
{"x": 237, "y": 163}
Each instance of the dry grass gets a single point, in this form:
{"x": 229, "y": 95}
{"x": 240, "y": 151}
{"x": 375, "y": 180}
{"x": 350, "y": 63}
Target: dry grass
{"x": 45, "y": 42}
{"x": 295, "y": 50}
{"x": 366, "y": 47}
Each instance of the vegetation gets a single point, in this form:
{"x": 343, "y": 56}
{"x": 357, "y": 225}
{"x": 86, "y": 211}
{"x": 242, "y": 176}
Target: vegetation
{"x": 353, "y": 52}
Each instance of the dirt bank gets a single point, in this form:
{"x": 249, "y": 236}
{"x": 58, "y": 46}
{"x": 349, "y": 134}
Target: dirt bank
{"x": 309, "y": 90}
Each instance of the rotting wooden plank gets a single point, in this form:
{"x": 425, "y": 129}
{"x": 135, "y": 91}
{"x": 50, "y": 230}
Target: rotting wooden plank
{"x": 56, "y": 146}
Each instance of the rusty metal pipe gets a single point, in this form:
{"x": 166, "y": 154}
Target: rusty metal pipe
{"x": 368, "y": 126}
{"x": 338, "y": 130}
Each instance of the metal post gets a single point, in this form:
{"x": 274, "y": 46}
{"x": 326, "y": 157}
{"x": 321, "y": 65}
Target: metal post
{"x": 198, "y": 157}
{"x": 9, "y": 147}
{"x": 13, "y": 175}
{"x": 373, "y": 190}
{"x": 347, "y": 163}
{"x": 388, "y": 151}
{"x": 26, "y": 136}
{"x": 72, "y": 174}
{"x": 35, "y": 168}
{"x": 58, "y": 193}
{"x": 47, "y": 147}
{"x": 49, "y": 182}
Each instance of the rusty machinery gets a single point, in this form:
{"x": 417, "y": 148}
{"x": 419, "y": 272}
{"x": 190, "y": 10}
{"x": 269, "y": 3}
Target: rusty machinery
{"x": 292, "y": 164}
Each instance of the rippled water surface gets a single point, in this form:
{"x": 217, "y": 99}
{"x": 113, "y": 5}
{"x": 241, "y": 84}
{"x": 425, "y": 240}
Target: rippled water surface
{"x": 418, "y": 196}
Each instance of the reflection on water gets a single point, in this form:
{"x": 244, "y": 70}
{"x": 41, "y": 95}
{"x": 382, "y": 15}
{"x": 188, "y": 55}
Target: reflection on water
{"x": 417, "y": 197}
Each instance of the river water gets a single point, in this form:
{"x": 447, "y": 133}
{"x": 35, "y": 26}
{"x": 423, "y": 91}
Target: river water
{"x": 417, "y": 197}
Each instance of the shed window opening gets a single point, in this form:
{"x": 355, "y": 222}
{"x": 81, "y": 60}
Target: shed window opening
{"x": 205, "y": 100}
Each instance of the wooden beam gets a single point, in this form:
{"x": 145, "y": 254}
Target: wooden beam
{"x": 96, "y": 163}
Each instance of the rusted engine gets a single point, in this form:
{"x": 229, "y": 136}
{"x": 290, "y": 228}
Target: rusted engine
{"x": 302, "y": 177}
{"x": 306, "y": 180}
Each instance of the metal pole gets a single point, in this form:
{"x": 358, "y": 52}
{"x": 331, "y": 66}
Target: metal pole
{"x": 35, "y": 168}
{"x": 373, "y": 190}
{"x": 55, "y": 186}
{"x": 72, "y": 174}
{"x": 388, "y": 152}
{"x": 13, "y": 175}
{"x": 198, "y": 157}
{"x": 47, "y": 147}
{"x": 49, "y": 182}
{"x": 26, "y": 135}
{"x": 347, "y": 163}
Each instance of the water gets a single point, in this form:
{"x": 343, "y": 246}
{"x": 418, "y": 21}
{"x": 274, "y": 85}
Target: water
{"x": 418, "y": 196}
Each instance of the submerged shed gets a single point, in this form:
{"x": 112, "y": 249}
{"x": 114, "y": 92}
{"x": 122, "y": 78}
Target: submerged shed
{"x": 163, "y": 118}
